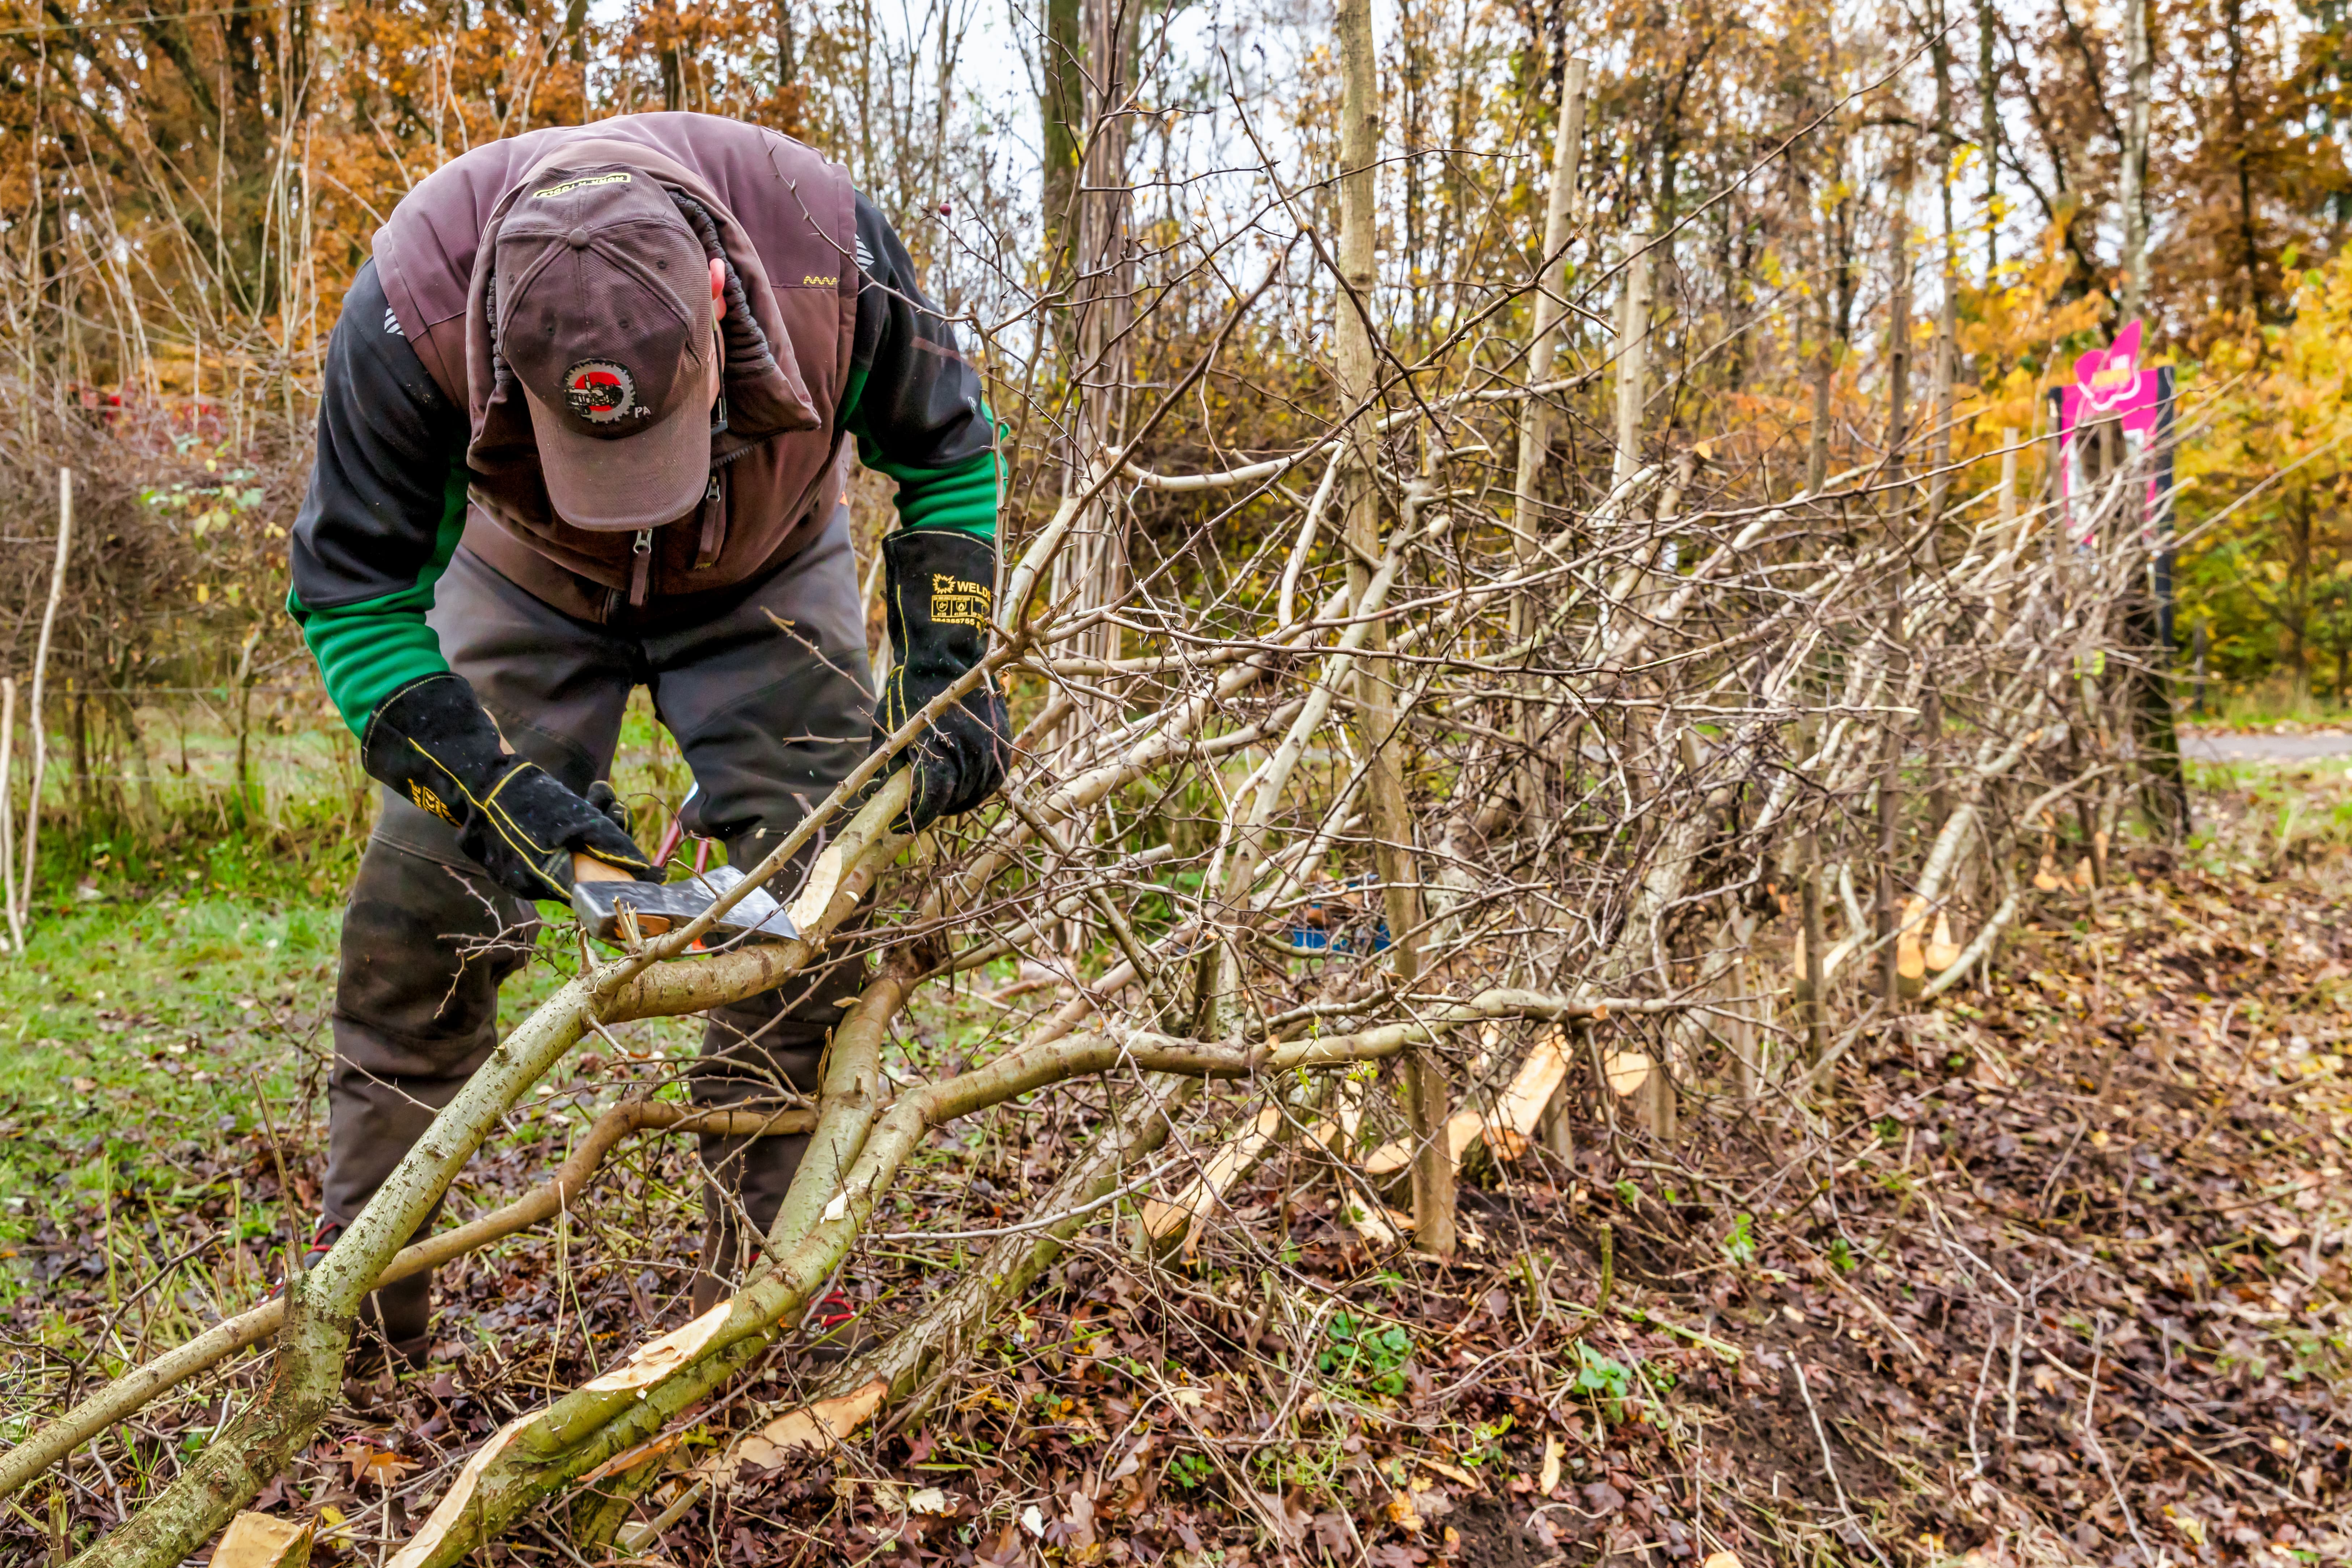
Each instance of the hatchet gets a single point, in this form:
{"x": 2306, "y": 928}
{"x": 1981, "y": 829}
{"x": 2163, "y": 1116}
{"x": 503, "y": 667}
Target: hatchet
{"x": 609, "y": 902}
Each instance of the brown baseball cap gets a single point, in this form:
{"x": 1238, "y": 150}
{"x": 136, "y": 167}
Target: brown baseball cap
{"x": 603, "y": 312}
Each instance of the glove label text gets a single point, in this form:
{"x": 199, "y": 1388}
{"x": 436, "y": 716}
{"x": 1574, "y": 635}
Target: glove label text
{"x": 956, "y": 602}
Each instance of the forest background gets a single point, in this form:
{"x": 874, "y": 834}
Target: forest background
{"x": 187, "y": 189}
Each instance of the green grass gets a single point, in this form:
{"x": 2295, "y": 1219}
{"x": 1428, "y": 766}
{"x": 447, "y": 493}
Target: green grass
{"x": 2262, "y": 704}
{"x": 179, "y": 993}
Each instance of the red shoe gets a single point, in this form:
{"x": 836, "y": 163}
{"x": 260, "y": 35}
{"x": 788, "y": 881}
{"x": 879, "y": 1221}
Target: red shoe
{"x": 829, "y": 1311}
{"x": 834, "y": 1329}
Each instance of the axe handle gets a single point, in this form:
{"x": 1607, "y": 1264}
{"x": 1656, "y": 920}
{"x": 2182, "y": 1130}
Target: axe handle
{"x": 588, "y": 868}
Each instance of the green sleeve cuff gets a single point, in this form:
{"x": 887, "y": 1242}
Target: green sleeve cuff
{"x": 369, "y": 650}
{"x": 962, "y": 497}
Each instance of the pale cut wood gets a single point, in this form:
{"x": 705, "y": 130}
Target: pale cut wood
{"x": 814, "y": 899}
{"x": 1519, "y": 1109}
{"x": 1942, "y": 951}
{"x": 818, "y": 1426}
{"x": 1161, "y": 1221}
{"x": 263, "y": 1541}
{"x": 1381, "y": 1227}
{"x": 1461, "y": 1129}
{"x": 657, "y": 1358}
{"x": 1627, "y": 1071}
{"x": 450, "y": 1511}
{"x": 1507, "y": 1128}
{"x": 1910, "y": 960}
{"x": 654, "y": 1362}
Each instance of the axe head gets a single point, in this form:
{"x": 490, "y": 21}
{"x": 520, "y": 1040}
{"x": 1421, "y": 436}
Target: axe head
{"x": 658, "y": 907}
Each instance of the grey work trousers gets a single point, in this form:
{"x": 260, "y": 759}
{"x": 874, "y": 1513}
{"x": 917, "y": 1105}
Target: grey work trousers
{"x": 765, "y": 688}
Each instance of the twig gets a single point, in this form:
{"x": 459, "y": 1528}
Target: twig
{"x": 1829, "y": 1465}
{"x": 36, "y": 714}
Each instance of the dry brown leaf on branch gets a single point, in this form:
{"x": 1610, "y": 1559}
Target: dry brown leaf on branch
{"x": 263, "y": 1541}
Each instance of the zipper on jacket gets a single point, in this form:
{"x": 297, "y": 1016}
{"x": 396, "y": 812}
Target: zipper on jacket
{"x": 641, "y": 571}
{"x": 714, "y": 526}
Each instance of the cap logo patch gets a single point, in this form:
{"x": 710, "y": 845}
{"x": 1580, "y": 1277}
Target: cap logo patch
{"x": 618, "y": 178}
{"x": 601, "y": 392}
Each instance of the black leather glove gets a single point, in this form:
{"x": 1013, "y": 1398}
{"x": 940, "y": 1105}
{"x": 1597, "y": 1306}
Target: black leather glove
{"x": 431, "y": 741}
{"x": 940, "y": 591}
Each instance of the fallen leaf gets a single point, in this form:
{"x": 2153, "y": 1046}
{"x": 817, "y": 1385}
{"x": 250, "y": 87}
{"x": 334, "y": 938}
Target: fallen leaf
{"x": 929, "y": 1499}
{"x": 1554, "y": 1450}
{"x": 1451, "y": 1472}
{"x": 1402, "y": 1513}
{"x": 378, "y": 1467}
{"x": 1034, "y": 1521}
{"x": 1722, "y": 1559}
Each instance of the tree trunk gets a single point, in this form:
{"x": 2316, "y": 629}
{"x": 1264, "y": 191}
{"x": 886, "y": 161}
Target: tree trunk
{"x": 1092, "y": 572}
{"x": 1063, "y": 113}
{"x": 1633, "y": 365}
{"x": 2132, "y": 183}
{"x": 1989, "y": 87}
{"x": 1360, "y": 139}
